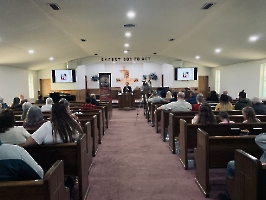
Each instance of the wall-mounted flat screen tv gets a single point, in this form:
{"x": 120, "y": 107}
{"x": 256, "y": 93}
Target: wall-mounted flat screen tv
{"x": 186, "y": 73}
{"x": 63, "y": 76}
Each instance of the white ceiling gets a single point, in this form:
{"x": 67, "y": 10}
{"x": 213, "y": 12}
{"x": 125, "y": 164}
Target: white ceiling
{"x": 32, "y": 24}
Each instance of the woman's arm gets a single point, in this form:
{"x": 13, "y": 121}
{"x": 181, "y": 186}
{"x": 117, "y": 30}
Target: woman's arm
{"x": 30, "y": 142}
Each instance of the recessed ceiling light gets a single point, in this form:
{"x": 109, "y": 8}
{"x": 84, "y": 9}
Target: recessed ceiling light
{"x": 131, "y": 14}
{"x": 253, "y": 38}
{"x": 134, "y": 62}
{"x": 197, "y": 57}
{"x": 31, "y": 51}
{"x": 126, "y": 45}
{"x": 54, "y": 6}
{"x": 51, "y": 58}
{"x": 125, "y": 51}
{"x": 128, "y": 34}
{"x": 217, "y": 50}
{"x": 114, "y": 62}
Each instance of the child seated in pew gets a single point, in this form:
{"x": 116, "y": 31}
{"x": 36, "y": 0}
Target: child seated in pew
{"x": 224, "y": 117}
{"x": 261, "y": 142}
{"x": 249, "y": 115}
{"x": 205, "y": 115}
{"x": 10, "y": 134}
{"x": 61, "y": 128}
{"x": 16, "y": 164}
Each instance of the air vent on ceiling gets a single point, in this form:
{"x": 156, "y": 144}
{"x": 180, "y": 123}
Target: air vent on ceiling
{"x": 129, "y": 25}
{"x": 54, "y": 6}
{"x": 207, "y": 6}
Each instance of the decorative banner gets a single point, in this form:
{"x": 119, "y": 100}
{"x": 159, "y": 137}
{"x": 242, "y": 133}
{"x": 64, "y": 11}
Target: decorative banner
{"x": 105, "y": 86}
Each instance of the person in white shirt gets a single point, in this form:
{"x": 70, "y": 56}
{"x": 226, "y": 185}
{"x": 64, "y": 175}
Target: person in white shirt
{"x": 10, "y": 134}
{"x": 61, "y": 128}
{"x": 48, "y": 106}
{"x": 179, "y": 105}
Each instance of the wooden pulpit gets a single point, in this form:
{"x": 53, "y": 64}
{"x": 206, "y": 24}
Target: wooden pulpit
{"x": 126, "y": 101}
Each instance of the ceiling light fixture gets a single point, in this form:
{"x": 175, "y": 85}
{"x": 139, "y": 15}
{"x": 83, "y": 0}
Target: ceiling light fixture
{"x": 114, "y": 62}
{"x": 125, "y": 51}
{"x": 197, "y": 57}
{"x": 54, "y": 6}
{"x": 207, "y": 6}
{"x": 31, "y": 51}
{"x": 51, "y": 58}
{"x": 126, "y": 45}
{"x": 131, "y": 14}
{"x": 253, "y": 38}
{"x": 217, "y": 50}
{"x": 128, "y": 34}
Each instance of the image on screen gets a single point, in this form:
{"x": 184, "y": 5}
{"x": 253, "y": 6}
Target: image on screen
{"x": 63, "y": 76}
{"x": 185, "y": 74}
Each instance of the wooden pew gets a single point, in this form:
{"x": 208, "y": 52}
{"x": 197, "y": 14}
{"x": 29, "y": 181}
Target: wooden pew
{"x": 174, "y": 125}
{"x": 75, "y": 159}
{"x": 216, "y": 152}
{"x": 51, "y": 187}
{"x": 100, "y": 121}
{"x": 188, "y": 134}
{"x": 248, "y": 182}
{"x": 94, "y": 132}
{"x": 152, "y": 109}
{"x": 163, "y": 117}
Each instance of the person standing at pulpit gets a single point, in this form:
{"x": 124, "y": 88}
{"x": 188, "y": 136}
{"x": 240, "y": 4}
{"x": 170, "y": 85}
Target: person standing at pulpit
{"x": 127, "y": 88}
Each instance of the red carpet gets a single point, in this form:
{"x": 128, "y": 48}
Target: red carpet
{"x": 134, "y": 164}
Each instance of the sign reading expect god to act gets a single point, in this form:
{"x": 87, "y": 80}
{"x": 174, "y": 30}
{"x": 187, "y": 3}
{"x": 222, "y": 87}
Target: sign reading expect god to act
{"x": 126, "y": 59}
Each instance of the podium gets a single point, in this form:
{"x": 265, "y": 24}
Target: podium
{"x": 126, "y": 101}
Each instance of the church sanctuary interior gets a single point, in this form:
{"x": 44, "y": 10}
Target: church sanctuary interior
{"x": 131, "y": 149}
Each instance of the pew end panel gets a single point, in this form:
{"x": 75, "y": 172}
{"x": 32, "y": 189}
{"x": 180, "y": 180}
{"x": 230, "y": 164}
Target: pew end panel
{"x": 248, "y": 182}
{"x": 52, "y": 187}
{"x": 74, "y": 155}
{"x": 183, "y": 144}
{"x": 89, "y": 144}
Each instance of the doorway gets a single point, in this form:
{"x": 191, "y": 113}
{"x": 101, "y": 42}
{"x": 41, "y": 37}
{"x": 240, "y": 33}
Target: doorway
{"x": 45, "y": 87}
{"x": 203, "y": 85}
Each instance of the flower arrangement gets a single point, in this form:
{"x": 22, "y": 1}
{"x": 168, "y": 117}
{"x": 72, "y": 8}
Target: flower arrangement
{"x": 153, "y": 76}
{"x": 95, "y": 78}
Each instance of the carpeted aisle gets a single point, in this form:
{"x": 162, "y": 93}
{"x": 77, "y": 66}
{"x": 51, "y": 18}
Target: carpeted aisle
{"x": 134, "y": 164}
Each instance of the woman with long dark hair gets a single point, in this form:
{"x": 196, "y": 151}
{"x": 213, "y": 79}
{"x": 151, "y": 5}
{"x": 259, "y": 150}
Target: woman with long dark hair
{"x": 61, "y": 128}
{"x": 205, "y": 115}
{"x": 224, "y": 104}
{"x": 249, "y": 115}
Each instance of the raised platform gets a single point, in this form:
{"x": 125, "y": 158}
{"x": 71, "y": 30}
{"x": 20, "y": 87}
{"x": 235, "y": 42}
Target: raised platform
{"x": 138, "y": 104}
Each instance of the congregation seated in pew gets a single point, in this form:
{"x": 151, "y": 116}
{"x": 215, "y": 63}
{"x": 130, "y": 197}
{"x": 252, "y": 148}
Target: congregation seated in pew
{"x": 16, "y": 104}
{"x": 25, "y": 107}
{"x": 258, "y": 107}
{"x": 192, "y": 98}
{"x": 67, "y": 106}
{"x": 60, "y": 129}
{"x": 10, "y": 134}
{"x": 174, "y": 97}
{"x": 213, "y": 96}
{"x": 34, "y": 118}
{"x": 224, "y": 118}
{"x": 17, "y": 164}
{"x": 180, "y": 105}
{"x": 205, "y": 115}
{"x": 243, "y": 101}
{"x": 48, "y": 106}
{"x": 88, "y": 105}
{"x": 39, "y": 100}
{"x": 249, "y": 115}
{"x": 199, "y": 99}
{"x": 224, "y": 104}
{"x": 93, "y": 100}
{"x": 230, "y": 171}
